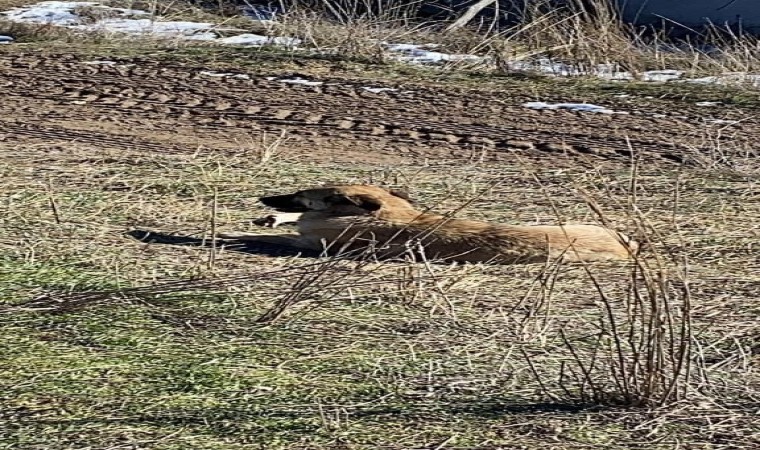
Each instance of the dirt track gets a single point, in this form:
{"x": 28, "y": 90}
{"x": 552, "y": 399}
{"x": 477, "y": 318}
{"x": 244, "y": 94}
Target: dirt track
{"x": 158, "y": 106}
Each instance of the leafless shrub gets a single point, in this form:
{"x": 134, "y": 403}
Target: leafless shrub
{"x": 638, "y": 351}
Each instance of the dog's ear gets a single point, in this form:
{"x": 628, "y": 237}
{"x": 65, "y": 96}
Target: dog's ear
{"x": 362, "y": 201}
{"x": 401, "y": 194}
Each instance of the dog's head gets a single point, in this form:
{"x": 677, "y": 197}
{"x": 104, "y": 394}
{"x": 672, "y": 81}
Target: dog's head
{"x": 350, "y": 199}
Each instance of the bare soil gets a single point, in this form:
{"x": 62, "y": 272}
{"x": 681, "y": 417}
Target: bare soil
{"x": 159, "y": 106}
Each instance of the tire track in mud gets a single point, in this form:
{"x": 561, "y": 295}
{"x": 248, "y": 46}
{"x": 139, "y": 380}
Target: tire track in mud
{"x": 432, "y": 133}
{"x": 52, "y": 133}
{"x": 169, "y": 96}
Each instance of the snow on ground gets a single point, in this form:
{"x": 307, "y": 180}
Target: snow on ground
{"x": 545, "y": 66}
{"x": 377, "y": 90}
{"x": 607, "y": 71}
{"x": 62, "y": 13}
{"x": 146, "y": 26}
{"x": 56, "y": 13}
{"x": 209, "y": 73}
{"x": 651, "y": 75}
{"x": 132, "y": 22}
{"x": 138, "y": 22}
{"x": 296, "y": 80}
{"x": 729, "y": 79}
{"x": 583, "y": 107}
{"x": 257, "y": 39}
{"x": 419, "y": 54}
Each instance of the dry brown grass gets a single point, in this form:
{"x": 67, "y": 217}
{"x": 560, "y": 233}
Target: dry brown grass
{"x": 508, "y": 354}
{"x": 583, "y": 35}
{"x": 587, "y": 35}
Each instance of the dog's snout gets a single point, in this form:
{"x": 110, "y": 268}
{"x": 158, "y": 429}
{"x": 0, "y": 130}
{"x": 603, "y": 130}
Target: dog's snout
{"x": 285, "y": 203}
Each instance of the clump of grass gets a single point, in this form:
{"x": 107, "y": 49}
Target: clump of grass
{"x": 92, "y": 14}
{"x": 591, "y": 36}
{"x": 723, "y": 50}
{"x": 637, "y": 352}
{"x": 572, "y": 33}
{"x": 347, "y": 11}
{"x": 358, "y": 39}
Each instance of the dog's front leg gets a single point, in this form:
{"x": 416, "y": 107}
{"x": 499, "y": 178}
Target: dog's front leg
{"x": 275, "y": 220}
{"x": 284, "y": 240}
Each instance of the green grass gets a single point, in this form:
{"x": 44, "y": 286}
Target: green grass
{"x": 399, "y": 360}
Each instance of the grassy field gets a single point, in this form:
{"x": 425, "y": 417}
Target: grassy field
{"x": 124, "y": 324}
{"x": 381, "y": 355}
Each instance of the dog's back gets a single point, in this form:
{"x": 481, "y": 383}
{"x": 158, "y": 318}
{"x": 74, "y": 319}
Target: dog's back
{"x": 357, "y": 216}
{"x": 398, "y": 230}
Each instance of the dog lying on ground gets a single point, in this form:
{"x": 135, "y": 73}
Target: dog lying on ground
{"x": 352, "y": 217}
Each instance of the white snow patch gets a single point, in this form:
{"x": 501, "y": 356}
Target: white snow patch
{"x": 661, "y": 75}
{"x": 548, "y": 66}
{"x": 5, "y": 39}
{"x": 707, "y": 103}
{"x": 584, "y": 107}
{"x": 705, "y": 80}
{"x": 611, "y": 72}
{"x": 545, "y": 66}
{"x": 650, "y": 76}
{"x": 377, "y": 90}
{"x": 64, "y": 14}
{"x": 722, "y": 121}
{"x": 418, "y": 54}
{"x": 146, "y": 26}
{"x": 297, "y": 80}
{"x": 728, "y": 79}
{"x": 258, "y": 40}
{"x": 55, "y": 13}
{"x": 209, "y": 73}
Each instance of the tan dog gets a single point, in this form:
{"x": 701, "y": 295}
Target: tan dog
{"x": 342, "y": 218}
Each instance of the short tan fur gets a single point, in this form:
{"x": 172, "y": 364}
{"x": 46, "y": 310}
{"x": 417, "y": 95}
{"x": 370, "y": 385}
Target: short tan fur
{"x": 354, "y": 216}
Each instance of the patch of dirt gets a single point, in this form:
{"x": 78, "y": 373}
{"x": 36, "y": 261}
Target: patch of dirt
{"x": 155, "y": 106}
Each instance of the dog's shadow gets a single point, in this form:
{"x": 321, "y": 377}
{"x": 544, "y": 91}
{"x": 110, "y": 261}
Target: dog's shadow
{"x": 256, "y": 248}
{"x": 259, "y": 248}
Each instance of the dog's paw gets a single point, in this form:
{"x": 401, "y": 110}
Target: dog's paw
{"x": 268, "y": 221}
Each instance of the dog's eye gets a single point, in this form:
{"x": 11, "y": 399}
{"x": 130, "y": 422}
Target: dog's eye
{"x": 299, "y": 200}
